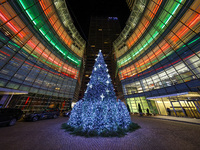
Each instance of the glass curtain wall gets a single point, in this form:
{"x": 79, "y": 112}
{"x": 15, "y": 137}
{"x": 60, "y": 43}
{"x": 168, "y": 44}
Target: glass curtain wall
{"x": 161, "y": 55}
{"x": 37, "y": 54}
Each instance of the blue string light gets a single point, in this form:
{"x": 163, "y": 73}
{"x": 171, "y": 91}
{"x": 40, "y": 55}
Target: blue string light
{"x": 99, "y": 109}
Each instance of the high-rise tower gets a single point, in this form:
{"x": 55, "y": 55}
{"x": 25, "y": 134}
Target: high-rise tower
{"x": 102, "y": 32}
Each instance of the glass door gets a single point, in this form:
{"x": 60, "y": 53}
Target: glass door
{"x": 195, "y": 108}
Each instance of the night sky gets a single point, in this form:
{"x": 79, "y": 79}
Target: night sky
{"x": 82, "y": 10}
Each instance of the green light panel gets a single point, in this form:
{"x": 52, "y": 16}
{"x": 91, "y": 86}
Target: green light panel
{"x": 40, "y": 25}
{"x": 170, "y": 8}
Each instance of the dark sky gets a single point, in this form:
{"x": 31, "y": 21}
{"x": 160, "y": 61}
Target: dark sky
{"x": 82, "y": 10}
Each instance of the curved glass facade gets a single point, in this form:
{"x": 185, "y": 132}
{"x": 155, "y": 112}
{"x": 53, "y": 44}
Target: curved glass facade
{"x": 40, "y": 58}
{"x": 159, "y": 62}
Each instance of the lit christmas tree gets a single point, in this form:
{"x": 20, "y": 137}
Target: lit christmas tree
{"x": 99, "y": 113}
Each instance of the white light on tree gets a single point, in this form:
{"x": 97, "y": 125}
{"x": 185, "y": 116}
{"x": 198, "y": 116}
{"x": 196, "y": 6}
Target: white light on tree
{"x": 107, "y": 82}
{"x": 102, "y": 96}
{"x": 107, "y": 91}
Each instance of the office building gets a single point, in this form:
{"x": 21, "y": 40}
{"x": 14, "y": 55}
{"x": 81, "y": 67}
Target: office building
{"x": 41, "y": 55}
{"x": 158, "y": 58}
{"x": 102, "y": 32}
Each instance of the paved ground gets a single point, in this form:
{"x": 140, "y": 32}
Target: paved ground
{"x": 155, "y": 134}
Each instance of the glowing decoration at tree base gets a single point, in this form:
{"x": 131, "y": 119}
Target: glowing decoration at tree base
{"x": 99, "y": 113}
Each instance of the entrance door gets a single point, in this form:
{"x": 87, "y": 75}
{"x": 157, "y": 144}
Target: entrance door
{"x": 177, "y": 108}
{"x": 186, "y": 108}
{"x": 194, "y": 108}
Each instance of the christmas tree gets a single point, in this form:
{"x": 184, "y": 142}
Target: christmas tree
{"x": 99, "y": 113}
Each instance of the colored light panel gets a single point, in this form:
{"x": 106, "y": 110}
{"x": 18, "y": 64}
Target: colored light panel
{"x": 164, "y": 47}
{"x": 157, "y": 29}
{"x": 39, "y": 22}
{"x": 48, "y": 9}
{"x": 31, "y": 46}
{"x": 146, "y": 22}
